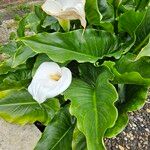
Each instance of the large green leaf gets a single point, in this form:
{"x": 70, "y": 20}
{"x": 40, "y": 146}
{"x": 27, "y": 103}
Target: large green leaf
{"x": 89, "y": 73}
{"x": 128, "y": 71}
{"x": 93, "y": 107}
{"x": 75, "y": 45}
{"x": 135, "y": 97}
{"x": 122, "y": 120}
{"x": 128, "y": 64}
{"x": 58, "y": 133}
{"x": 92, "y": 12}
{"x": 128, "y": 24}
{"x": 143, "y": 32}
{"x": 137, "y": 24}
{"x": 21, "y": 55}
{"x": 144, "y": 52}
{"x": 18, "y": 106}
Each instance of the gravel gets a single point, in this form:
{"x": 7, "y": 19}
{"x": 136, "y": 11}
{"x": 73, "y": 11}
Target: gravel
{"x": 136, "y": 135}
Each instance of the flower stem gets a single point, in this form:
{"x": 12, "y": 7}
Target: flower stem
{"x": 65, "y": 24}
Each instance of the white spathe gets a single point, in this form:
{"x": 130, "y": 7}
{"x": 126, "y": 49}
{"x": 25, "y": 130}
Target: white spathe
{"x": 49, "y": 81}
{"x": 66, "y": 9}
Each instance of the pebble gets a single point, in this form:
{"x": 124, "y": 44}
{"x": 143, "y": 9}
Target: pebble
{"x": 120, "y": 147}
{"x": 148, "y": 110}
{"x": 147, "y": 130}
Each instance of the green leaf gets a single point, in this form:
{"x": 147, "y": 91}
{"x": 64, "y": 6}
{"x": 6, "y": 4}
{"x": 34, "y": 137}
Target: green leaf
{"x": 89, "y": 73}
{"x": 7, "y": 53}
{"x": 79, "y": 141}
{"x": 39, "y": 12}
{"x": 135, "y": 97}
{"x": 127, "y": 5}
{"x": 16, "y": 80}
{"x": 107, "y": 10}
{"x": 92, "y": 12}
{"x": 136, "y": 5}
{"x": 137, "y": 24}
{"x": 128, "y": 64}
{"x": 107, "y": 26}
{"x": 141, "y": 5}
{"x": 21, "y": 56}
{"x": 31, "y": 21}
{"x": 52, "y": 23}
{"x": 18, "y": 106}
{"x": 61, "y": 47}
{"x": 144, "y": 52}
{"x": 9, "y": 48}
{"x": 5, "y": 67}
{"x": 93, "y": 107}
{"x": 128, "y": 71}
{"x": 142, "y": 32}
{"x": 126, "y": 22}
{"x": 58, "y": 133}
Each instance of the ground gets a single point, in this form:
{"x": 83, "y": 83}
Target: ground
{"x": 136, "y": 136}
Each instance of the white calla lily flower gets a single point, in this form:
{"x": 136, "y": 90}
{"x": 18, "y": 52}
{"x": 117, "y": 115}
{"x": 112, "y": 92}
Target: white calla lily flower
{"x": 49, "y": 81}
{"x": 65, "y": 10}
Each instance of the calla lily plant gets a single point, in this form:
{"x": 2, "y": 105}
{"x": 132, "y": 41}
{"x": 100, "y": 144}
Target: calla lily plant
{"x": 78, "y": 89}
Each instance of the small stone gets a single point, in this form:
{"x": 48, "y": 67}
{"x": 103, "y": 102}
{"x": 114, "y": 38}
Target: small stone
{"x": 148, "y": 110}
{"x": 120, "y": 147}
{"x": 128, "y": 135}
{"x": 147, "y": 130}
{"x": 125, "y": 139}
{"x": 140, "y": 119}
{"x": 134, "y": 125}
{"x": 131, "y": 138}
{"x": 127, "y": 147}
{"x": 131, "y": 117}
